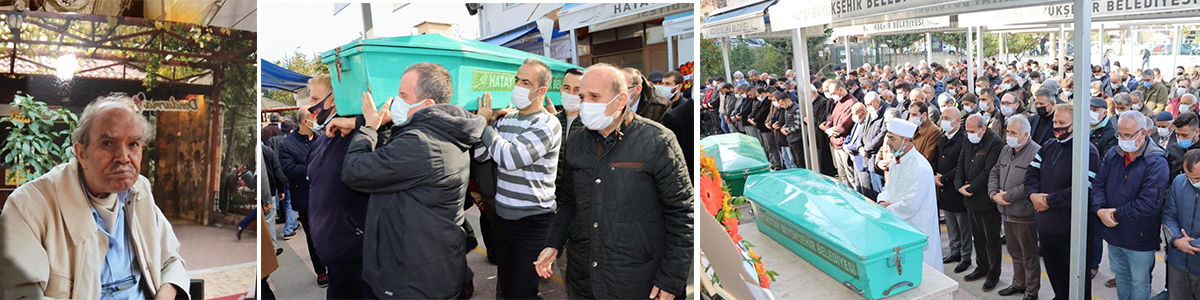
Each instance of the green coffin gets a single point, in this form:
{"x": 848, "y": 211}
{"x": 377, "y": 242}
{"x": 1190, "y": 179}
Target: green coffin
{"x": 853, "y": 240}
{"x": 475, "y": 67}
{"x": 737, "y": 156}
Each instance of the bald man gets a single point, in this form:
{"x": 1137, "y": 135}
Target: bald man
{"x": 605, "y": 208}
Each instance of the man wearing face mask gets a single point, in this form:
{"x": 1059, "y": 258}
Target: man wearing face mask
{"x": 792, "y": 130}
{"x": 945, "y": 169}
{"x": 1006, "y": 188}
{"x": 430, "y": 141}
{"x": 1165, "y": 134}
{"x": 1048, "y": 184}
{"x": 838, "y": 126}
{"x": 1157, "y": 95}
{"x": 568, "y": 119}
{"x": 624, "y": 170}
{"x": 89, "y": 228}
{"x": 1187, "y": 135}
{"x": 681, "y": 117}
{"x": 926, "y": 137}
{"x": 525, "y": 147}
{"x": 1043, "y": 115}
{"x": 1103, "y": 128}
{"x": 1115, "y": 85}
{"x": 646, "y": 102}
{"x": 1180, "y": 222}
{"x": 293, "y": 158}
{"x": 1126, "y": 197}
{"x": 766, "y": 135}
{"x": 978, "y": 157}
{"x": 909, "y": 192}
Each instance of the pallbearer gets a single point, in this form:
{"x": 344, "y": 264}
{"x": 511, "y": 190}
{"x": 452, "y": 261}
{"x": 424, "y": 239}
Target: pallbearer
{"x": 909, "y": 192}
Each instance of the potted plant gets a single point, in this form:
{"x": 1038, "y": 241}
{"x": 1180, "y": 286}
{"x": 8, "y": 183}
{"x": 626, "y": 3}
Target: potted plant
{"x": 32, "y": 148}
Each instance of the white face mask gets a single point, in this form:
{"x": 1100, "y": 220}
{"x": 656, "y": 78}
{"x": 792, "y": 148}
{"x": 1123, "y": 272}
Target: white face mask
{"x": 974, "y": 137}
{"x": 570, "y": 102}
{"x": 520, "y": 97}
{"x": 1163, "y": 132}
{"x": 983, "y": 105}
{"x": 916, "y": 120}
{"x": 1184, "y": 107}
{"x": 592, "y": 114}
{"x": 900, "y": 97}
{"x": 665, "y": 91}
{"x": 1013, "y": 142}
{"x": 947, "y": 126}
{"x": 1180, "y": 91}
{"x": 1095, "y": 117}
{"x": 856, "y": 119}
{"x": 400, "y": 110}
{"x": 1136, "y": 106}
{"x": 968, "y": 109}
{"x": 950, "y": 91}
{"x": 1006, "y": 110}
{"x": 1128, "y": 145}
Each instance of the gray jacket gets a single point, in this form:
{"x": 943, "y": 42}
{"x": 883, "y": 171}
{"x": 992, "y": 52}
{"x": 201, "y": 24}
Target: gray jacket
{"x": 1009, "y": 175}
{"x": 414, "y": 243}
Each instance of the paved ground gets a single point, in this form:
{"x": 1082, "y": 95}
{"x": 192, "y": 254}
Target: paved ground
{"x": 295, "y": 278}
{"x": 226, "y": 264}
{"x": 974, "y": 290}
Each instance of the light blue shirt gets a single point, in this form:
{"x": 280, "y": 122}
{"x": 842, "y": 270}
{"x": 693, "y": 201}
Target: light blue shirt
{"x": 120, "y": 278}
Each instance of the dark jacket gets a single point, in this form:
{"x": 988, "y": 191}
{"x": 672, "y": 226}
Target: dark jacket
{"x": 679, "y": 120}
{"x": 975, "y": 165}
{"x": 624, "y": 212}
{"x": 1137, "y": 192}
{"x": 269, "y": 131}
{"x": 1050, "y": 173}
{"x": 336, "y": 212}
{"x": 1009, "y": 175}
{"x": 275, "y": 174}
{"x": 874, "y": 135}
{"x": 1180, "y": 212}
{"x": 1042, "y": 130}
{"x": 760, "y": 115}
{"x": 293, "y": 158}
{"x": 562, "y": 120}
{"x": 418, "y": 182}
{"x": 651, "y": 105}
{"x": 946, "y": 163}
{"x": 1175, "y": 156}
{"x": 747, "y": 109}
{"x": 1104, "y": 136}
{"x": 792, "y": 123}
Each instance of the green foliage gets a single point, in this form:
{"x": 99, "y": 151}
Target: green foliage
{"x": 899, "y": 41}
{"x": 768, "y": 60}
{"x": 775, "y": 56}
{"x": 31, "y": 147}
{"x": 1018, "y": 43}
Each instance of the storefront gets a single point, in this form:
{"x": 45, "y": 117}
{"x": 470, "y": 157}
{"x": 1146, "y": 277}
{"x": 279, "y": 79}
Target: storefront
{"x": 629, "y": 34}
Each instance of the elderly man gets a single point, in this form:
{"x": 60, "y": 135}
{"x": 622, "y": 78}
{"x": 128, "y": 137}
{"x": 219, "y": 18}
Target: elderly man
{"x": 909, "y": 192}
{"x": 293, "y": 159}
{"x": 1006, "y": 187}
{"x": 1050, "y": 192}
{"x": 1126, "y": 197}
{"x": 624, "y": 170}
{"x": 975, "y": 163}
{"x": 945, "y": 169}
{"x": 416, "y": 214}
{"x": 873, "y": 134}
{"x": 525, "y": 146}
{"x": 89, "y": 228}
{"x": 1042, "y": 120}
{"x": 1157, "y": 94}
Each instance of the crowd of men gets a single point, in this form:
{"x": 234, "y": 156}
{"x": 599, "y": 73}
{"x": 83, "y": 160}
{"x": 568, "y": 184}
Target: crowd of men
{"x": 381, "y": 196}
{"x": 996, "y": 160}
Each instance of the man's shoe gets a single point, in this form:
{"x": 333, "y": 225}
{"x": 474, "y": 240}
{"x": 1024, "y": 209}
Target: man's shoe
{"x": 977, "y": 275}
{"x": 278, "y": 251}
{"x": 1011, "y": 290}
{"x": 990, "y": 284}
{"x": 239, "y": 232}
{"x": 951, "y": 258}
{"x": 467, "y": 291}
{"x": 323, "y": 280}
{"x": 1029, "y": 297}
{"x": 962, "y": 266}
{"x": 1112, "y": 283}
{"x": 289, "y": 236}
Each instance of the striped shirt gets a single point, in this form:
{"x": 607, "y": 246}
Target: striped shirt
{"x": 525, "y": 149}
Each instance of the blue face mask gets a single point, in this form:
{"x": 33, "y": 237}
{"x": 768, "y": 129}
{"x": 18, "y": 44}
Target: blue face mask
{"x": 1185, "y": 144}
{"x": 1147, "y": 83}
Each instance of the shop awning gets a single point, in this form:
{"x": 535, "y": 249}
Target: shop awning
{"x": 601, "y": 16}
{"x": 748, "y": 19}
{"x": 277, "y": 78}
{"x": 510, "y": 36}
{"x": 679, "y": 24}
